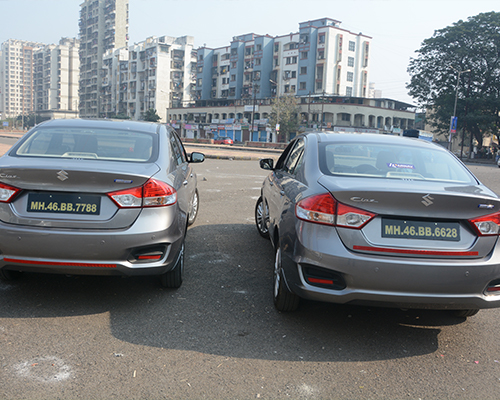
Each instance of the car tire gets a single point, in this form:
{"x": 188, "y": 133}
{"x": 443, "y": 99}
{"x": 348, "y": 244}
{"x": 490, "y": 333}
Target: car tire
{"x": 284, "y": 299}
{"x": 173, "y": 279}
{"x": 9, "y": 275}
{"x": 262, "y": 218}
{"x": 465, "y": 313}
{"x": 195, "y": 206}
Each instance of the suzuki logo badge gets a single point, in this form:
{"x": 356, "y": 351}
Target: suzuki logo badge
{"x": 427, "y": 200}
{"x": 62, "y": 175}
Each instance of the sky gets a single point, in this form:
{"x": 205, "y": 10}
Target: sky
{"x": 397, "y": 27}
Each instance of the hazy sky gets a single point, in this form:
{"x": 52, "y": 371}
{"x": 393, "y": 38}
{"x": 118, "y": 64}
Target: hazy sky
{"x": 397, "y": 27}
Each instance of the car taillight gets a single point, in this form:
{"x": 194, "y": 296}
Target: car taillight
{"x": 325, "y": 209}
{"x": 488, "y": 225}
{"x": 319, "y": 209}
{"x": 7, "y": 193}
{"x": 152, "y": 194}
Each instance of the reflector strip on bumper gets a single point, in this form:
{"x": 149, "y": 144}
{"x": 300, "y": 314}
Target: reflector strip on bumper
{"x": 418, "y": 252}
{"x": 61, "y": 264}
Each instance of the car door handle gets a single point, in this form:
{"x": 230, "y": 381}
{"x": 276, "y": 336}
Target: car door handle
{"x": 185, "y": 183}
{"x": 282, "y": 192}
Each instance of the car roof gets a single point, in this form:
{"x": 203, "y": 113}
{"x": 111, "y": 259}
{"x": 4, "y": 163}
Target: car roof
{"x": 151, "y": 127}
{"x": 335, "y": 137}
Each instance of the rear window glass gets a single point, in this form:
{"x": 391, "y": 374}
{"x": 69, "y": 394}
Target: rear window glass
{"x": 102, "y": 144}
{"x": 391, "y": 161}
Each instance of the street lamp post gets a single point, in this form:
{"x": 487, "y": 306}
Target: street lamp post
{"x": 453, "y": 121}
{"x": 278, "y": 106}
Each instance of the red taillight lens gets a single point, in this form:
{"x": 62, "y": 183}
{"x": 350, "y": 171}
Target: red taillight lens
{"x": 319, "y": 209}
{"x": 152, "y": 194}
{"x": 488, "y": 225}
{"x": 157, "y": 193}
{"x": 7, "y": 193}
{"x": 324, "y": 209}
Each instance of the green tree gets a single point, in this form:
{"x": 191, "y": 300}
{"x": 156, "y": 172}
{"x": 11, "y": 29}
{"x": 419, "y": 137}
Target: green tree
{"x": 151, "y": 115}
{"x": 462, "y": 61}
{"x": 284, "y": 111}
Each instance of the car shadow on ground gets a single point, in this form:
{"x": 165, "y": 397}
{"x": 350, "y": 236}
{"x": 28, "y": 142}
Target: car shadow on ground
{"x": 225, "y": 308}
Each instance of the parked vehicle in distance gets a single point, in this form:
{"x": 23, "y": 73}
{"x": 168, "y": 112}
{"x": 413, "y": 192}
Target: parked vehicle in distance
{"x": 379, "y": 220}
{"x": 97, "y": 197}
{"x": 223, "y": 140}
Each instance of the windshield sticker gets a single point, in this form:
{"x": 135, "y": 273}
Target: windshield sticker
{"x": 398, "y": 165}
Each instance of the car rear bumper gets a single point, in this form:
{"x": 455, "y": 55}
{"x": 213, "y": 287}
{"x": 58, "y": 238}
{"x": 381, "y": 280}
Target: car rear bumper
{"x": 391, "y": 281}
{"x": 88, "y": 252}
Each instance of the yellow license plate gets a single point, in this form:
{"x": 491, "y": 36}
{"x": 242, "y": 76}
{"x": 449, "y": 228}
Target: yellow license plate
{"x": 411, "y": 229}
{"x": 65, "y": 203}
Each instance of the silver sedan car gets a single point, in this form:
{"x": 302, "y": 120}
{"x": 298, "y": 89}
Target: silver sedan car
{"x": 97, "y": 197}
{"x": 379, "y": 220}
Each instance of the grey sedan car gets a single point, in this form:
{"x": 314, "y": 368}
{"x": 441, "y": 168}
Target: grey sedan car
{"x": 97, "y": 197}
{"x": 379, "y": 220}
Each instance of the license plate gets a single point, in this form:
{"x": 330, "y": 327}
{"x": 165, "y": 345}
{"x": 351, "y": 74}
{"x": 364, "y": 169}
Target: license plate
{"x": 408, "y": 229}
{"x": 64, "y": 203}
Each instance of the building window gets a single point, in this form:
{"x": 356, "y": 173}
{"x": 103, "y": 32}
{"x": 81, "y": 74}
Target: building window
{"x": 291, "y": 60}
{"x": 294, "y": 74}
{"x": 348, "y": 91}
{"x": 233, "y": 78}
{"x": 302, "y": 86}
{"x": 350, "y": 77}
{"x": 303, "y": 70}
{"x": 303, "y": 55}
{"x": 276, "y": 47}
{"x": 352, "y": 46}
{"x": 321, "y": 38}
{"x": 200, "y": 82}
{"x": 346, "y": 117}
{"x": 276, "y": 62}
{"x": 321, "y": 54}
{"x": 258, "y": 47}
{"x": 258, "y": 61}
{"x": 350, "y": 62}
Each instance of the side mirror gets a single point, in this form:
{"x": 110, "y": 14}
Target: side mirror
{"x": 196, "y": 157}
{"x": 267, "y": 163}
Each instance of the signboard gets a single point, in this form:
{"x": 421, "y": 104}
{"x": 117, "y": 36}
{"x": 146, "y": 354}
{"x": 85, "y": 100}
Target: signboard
{"x": 453, "y": 125}
{"x": 277, "y": 127}
{"x": 5, "y": 123}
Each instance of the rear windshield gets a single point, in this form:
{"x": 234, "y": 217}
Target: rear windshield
{"x": 392, "y": 161}
{"x": 102, "y": 144}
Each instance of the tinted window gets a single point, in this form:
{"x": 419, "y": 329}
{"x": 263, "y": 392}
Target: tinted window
{"x": 178, "y": 152}
{"x": 391, "y": 161}
{"x": 101, "y": 144}
{"x": 295, "y": 157}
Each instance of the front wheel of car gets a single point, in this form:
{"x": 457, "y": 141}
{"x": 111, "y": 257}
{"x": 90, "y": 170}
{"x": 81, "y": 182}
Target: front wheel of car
{"x": 194, "y": 208}
{"x": 284, "y": 299}
{"x": 262, "y": 218}
{"x": 173, "y": 279}
{"x": 465, "y": 313}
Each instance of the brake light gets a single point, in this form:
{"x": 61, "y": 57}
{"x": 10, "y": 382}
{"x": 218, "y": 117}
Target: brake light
{"x": 152, "y": 194}
{"x": 319, "y": 209}
{"x": 325, "y": 209}
{"x": 7, "y": 193}
{"x": 489, "y": 225}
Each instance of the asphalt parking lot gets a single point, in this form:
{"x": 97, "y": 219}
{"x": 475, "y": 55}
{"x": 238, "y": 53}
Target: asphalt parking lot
{"x": 219, "y": 336}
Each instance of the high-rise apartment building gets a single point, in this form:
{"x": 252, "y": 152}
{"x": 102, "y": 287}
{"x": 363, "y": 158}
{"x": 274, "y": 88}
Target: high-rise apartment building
{"x": 16, "y": 77}
{"x": 321, "y": 58}
{"x": 56, "y": 74}
{"x": 155, "y": 74}
{"x": 103, "y": 27}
